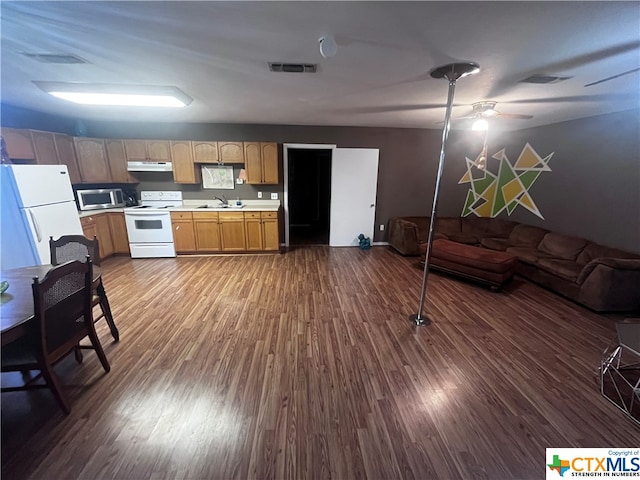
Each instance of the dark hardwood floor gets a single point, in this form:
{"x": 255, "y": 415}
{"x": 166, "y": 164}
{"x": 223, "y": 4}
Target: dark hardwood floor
{"x": 304, "y": 365}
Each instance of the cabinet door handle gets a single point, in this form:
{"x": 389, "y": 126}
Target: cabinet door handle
{"x": 177, "y": 227}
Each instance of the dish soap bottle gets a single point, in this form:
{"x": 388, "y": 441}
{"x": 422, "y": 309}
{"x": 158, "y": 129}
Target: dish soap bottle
{"x": 238, "y": 202}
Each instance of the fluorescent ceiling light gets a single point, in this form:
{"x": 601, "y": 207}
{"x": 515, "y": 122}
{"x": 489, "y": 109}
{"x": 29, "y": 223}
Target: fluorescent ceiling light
{"x": 117, "y": 95}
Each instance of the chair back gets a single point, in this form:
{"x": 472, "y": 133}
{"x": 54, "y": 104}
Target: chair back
{"x": 74, "y": 247}
{"x": 62, "y": 307}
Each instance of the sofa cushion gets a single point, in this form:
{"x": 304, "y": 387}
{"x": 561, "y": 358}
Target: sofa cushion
{"x": 476, "y": 226}
{"x": 499, "y": 228}
{"x": 467, "y": 239}
{"x": 593, "y": 251}
{"x": 447, "y": 225}
{"x": 567, "y": 269}
{"x": 562, "y": 246}
{"x": 500, "y": 244}
{"x": 528, "y": 254}
{"x": 526, "y": 236}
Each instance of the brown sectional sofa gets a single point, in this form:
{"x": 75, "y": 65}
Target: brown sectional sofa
{"x": 601, "y": 278}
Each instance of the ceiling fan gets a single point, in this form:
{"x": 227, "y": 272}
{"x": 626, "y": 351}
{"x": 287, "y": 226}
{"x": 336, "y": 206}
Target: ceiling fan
{"x": 487, "y": 109}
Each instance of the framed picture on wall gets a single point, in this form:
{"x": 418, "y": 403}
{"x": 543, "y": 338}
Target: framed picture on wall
{"x": 218, "y": 177}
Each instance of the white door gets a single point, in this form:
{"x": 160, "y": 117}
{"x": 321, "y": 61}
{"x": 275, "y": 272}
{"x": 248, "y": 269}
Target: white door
{"x": 354, "y": 179}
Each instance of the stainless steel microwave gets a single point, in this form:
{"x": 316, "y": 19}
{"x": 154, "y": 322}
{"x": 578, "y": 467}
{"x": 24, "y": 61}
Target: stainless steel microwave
{"x": 100, "y": 198}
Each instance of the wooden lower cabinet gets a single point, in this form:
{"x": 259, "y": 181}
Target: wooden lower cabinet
{"x": 270, "y": 231}
{"x": 88, "y": 227}
{"x": 103, "y": 232}
{"x": 98, "y": 226}
{"x": 183, "y": 232}
{"x": 262, "y": 230}
{"x": 232, "y": 232}
{"x": 207, "y": 232}
{"x": 207, "y": 229}
{"x": 110, "y": 229}
{"x": 253, "y": 226}
{"x": 119, "y": 236}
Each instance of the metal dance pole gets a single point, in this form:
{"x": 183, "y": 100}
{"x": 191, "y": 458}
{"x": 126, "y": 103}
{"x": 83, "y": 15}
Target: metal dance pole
{"x": 451, "y": 72}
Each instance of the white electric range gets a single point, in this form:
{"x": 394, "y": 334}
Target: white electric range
{"x": 149, "y": 224}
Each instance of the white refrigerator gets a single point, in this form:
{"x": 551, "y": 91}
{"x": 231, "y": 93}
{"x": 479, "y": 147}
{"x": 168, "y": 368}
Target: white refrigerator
{"x": 36, "y": 202}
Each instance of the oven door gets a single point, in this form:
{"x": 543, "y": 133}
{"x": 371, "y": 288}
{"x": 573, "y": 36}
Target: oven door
{"x": 149, "y": 227}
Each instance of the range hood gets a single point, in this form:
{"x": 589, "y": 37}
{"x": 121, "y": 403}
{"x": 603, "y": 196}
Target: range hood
{"x": 149, "y": 167}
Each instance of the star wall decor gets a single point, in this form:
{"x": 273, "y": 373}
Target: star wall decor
{"x": 492, "y": 193}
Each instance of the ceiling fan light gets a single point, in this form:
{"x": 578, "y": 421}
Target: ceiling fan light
{"x": 480, "y": 125}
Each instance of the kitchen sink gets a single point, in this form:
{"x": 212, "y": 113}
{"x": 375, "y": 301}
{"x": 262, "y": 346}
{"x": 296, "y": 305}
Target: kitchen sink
{"x": 216, "y": 207}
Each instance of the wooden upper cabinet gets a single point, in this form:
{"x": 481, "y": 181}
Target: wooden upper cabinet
{"x": 231, "y": 152}
{"x": 205, "y": 152}
{"x": 19, "y": 143}
{"x": 92, "y": 160}
{"x": 184, "y": 170}
{"x": 147, "y": 150}
{"x": 159, "y": 150}
{"x": 117, "y": 161}
{"x": 67, "y": 156}
{"x": 253, "y": 162}
{"x": 269, "y": 163}
{"x": 44, "y": 146}
{"x": 261, "y": 162}
{"x": 136, "y": 150}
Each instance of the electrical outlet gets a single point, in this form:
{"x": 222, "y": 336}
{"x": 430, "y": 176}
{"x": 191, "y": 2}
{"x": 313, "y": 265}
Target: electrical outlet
{"x": 259, "y": 194}
{"x": 382, "y": 227}
{"x": 239, "y": 181}
{"x": 274, "y": 196}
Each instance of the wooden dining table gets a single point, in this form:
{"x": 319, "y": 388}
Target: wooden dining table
{"x": 16, "y": 304}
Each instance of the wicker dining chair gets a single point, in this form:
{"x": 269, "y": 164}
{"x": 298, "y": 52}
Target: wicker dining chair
{"x": 63, "y": 315}
{"x": 77, "y": 247}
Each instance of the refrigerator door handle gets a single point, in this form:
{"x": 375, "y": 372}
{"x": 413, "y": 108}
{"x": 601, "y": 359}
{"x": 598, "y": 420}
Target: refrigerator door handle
{"x": 35, "y": 225}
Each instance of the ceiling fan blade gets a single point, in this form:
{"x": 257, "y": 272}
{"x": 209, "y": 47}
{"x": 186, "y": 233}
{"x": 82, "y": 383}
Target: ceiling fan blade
{"x": 515, "y": 116}
{"x": 612, "y": 77}
{"x": 391, "y": 108}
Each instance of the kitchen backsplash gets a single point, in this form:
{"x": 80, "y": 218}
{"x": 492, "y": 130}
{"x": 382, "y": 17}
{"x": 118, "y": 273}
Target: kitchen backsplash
{"x": 164, "y": 181}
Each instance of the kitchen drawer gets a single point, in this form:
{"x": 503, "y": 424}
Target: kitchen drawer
{"x": 251, "y": 214}
{"x": 231, "y": 217}
{"x": 269, "y": 214}
{"x": 86, "y": 221}
{"x": 205, "y": 215}
{"x": 181, "y": 216}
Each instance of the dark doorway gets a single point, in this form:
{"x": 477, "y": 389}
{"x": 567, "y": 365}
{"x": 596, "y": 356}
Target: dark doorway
{"x": 309, "y": 196}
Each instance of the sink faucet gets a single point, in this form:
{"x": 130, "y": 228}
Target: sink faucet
{"x": 223, "y": 200}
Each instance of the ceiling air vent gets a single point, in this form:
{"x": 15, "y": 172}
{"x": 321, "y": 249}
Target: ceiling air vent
{"x": 63, "y": 58}
{"x": 545, "y": 78}
{"x": 293, "y": 67}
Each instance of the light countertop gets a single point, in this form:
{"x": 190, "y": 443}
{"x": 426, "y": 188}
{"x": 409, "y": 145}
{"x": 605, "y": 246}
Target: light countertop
{"x": 196, "y": 206}
{"x": 212, "y": 206}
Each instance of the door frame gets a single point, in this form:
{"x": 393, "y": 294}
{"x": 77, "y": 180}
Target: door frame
{"x": 285, "y": 167}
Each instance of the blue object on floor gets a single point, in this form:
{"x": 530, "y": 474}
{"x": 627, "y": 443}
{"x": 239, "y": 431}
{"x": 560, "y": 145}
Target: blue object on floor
{"x": 365, "y": 242}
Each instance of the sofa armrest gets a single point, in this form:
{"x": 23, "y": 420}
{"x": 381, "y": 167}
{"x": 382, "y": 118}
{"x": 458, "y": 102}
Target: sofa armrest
{"x": 613, "y": 263}
{"x": 610, "y": 284}
{"x": 403, "y": 236}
